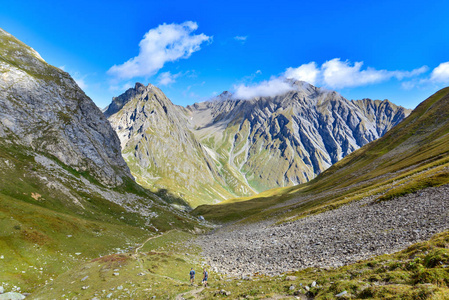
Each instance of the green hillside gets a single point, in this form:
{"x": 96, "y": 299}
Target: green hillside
{"x": 411, "y": 156}
{"x": 51, "y": 220}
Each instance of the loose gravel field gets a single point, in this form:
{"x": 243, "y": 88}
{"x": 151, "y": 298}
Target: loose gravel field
{"x": 353, "y": 232}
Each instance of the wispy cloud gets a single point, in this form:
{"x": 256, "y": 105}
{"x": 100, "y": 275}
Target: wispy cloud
{"x": 438, "y": 76}
{"x": 268, "y": 88}
{"x": 166, "y": 43}
{"x": 306, "y": 72}
{"x": 240, "y": 38}
{"x": 167, "y": 78}
{"x": 340, "y": 74}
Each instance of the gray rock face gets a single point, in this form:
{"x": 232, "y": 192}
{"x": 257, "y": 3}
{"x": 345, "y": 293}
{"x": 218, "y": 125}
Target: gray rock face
{"x": 290, "y": 138}
{"x": 43, "y": 108}
{"x": 120, "y": 101}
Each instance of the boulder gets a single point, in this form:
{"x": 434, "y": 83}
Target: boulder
{"x": 12, "y": 296}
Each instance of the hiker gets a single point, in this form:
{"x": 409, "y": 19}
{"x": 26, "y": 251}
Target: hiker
{"x": 205, "y": 275}
{"x": 192, "y": 276}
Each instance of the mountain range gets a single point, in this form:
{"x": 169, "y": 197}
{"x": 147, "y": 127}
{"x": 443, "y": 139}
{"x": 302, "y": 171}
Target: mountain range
{"x": 227, "y": 147}
{"x": 74, "y": 223}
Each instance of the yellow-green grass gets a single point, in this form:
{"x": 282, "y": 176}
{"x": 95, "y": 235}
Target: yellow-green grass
{"x": 160, "y": 268}
{"x": 43, "y": 232}
{"x": 38, "y": 244}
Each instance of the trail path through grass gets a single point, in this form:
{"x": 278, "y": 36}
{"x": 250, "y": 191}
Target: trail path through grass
{"x": 136, "y": 256}
{"x": 136, "y": 251}
{"x": 192, "y": 293}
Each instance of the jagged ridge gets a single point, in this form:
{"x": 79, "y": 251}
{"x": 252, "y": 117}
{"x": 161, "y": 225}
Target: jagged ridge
{"x": 241, "y": 147}
{"x": 296, "y": 135}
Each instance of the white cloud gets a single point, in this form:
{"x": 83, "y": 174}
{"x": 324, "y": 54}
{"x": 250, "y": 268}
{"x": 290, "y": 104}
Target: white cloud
{"x": 268, "y": 88}
{"x": 440, "y": 74}
{"x": 306, "y": 72}
{"x": 407, "y": 74}
{"x": 338, "y": 74}
{"x": 334, "y": 74}
{"x": 341, "y": 74}
{"x": 167, "y": 78}
{"x": 240, "y": 38}
{"x": 166, "y": 43}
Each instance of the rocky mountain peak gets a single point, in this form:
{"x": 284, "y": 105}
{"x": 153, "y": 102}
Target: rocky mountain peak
{"x": 42, "y": 107}
{"x": 297, "y": 134}
{"x": 226, "y": 95}
{"x": 120, "y": 101}
{"x": 161, "y": 150}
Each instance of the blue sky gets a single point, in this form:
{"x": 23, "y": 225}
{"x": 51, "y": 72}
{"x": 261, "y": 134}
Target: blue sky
{"x": 193, "y": 50}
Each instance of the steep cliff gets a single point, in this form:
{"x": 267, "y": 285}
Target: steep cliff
{"x": 42, "y": 107}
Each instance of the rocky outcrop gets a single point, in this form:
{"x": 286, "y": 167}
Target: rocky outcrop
{"x": 120, "y": 101}
{"x": 42, "y": 107}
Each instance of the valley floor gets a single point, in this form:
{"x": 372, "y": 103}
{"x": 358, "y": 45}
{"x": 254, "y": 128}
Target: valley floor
{"x": 333, "y": 253}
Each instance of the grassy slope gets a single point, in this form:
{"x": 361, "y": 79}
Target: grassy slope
{"x": 160, "y": 268}
{"x": 411, "y": 156}
{"x": 43, "y": 233}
